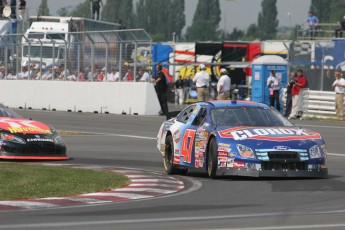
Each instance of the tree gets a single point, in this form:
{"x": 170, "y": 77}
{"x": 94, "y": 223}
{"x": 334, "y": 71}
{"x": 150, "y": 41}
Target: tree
{"x": 119, "y": 11}
{"x": 63, "y": 12}
{"x": 205, "y": 21}
{"x": 336, "y": 10}
{"x": 176, "y": 19}
{"x": 267, "y": 20}
{"x": 82, "y": 10}
{"x": 43, "y": 9}
{"x": 252, "y": 32}
{"x": 160, "y": 18}
{"x": 321, "y": 9}
{"x": 235, "y": 35}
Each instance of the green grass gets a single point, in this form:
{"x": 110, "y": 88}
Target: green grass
{"x": 24, "y": 181}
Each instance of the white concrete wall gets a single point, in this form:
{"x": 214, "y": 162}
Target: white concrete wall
{"x": 112, "y": 97}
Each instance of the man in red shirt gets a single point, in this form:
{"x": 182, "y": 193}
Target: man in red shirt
{"x": 300, "y": 82}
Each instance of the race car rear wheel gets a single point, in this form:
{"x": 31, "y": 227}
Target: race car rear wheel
{"x": 168, "y": 159}
{"x": 212, "y": 159}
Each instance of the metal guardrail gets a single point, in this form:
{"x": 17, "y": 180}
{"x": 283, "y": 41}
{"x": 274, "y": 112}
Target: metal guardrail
{"x": 323, "y": 31}
{"x": 319, "y": 104}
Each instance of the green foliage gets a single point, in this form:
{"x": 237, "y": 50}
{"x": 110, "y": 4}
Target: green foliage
{"x": 160, "y": 18}
{"x": 321, "y": 9}
{"x": 267, "y": 20}
{"x": 253, "y": 32}
{"x": 43, "y": 9}
{"x": 205, "y": 21}
{"x": 63, "y": 12}
{"x": 202, "y": 30}
{"x": 119, "y": 11}
{"x": 235, "y": 35}
{"x": 82, "y": 10}
{"x": 336, "y": 10}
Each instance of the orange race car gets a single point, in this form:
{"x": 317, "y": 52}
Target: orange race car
{"x": 24, "y": 139}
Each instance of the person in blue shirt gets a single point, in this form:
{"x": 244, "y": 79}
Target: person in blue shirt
{"x": 312, "y": 21}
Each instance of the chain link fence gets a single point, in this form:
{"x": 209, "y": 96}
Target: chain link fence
{"x": 318, "y": 60}
{"x": 117, "y": 55}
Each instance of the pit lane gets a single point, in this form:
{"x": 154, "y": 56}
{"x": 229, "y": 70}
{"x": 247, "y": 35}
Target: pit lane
{"x": 230, "y": 203}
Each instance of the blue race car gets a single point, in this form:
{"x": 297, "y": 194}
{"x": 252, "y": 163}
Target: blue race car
{"x": 240, "y": 138}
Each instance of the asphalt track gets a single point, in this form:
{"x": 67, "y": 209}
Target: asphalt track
{"x": 229, "y": 203}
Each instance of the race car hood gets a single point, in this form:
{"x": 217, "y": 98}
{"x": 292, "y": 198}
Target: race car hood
{"x": 263, "y": 136}
{"x": 23, "y": 126}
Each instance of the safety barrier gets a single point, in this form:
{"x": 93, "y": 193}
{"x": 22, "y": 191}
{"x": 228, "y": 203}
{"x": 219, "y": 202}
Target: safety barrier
{"x": 96, "y": 97}
{"x": 319, "y": 104}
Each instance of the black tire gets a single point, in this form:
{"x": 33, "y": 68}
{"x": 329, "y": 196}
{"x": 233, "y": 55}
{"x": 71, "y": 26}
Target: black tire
{"x": 168, "y": 159}
{"x": 212, "y": 159}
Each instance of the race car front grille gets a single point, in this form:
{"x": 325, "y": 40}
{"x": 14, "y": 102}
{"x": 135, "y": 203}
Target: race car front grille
{"x": 266, "y": 165}
{"x": 283, "y": 156}
{"x": 36, "y": 149}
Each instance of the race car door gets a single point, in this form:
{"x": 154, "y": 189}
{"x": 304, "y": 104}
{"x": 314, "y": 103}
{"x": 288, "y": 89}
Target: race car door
{"x": 187, "y": 123}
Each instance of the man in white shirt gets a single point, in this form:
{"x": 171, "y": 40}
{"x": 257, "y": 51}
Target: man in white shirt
{"x": 202, "y": 80}
{"x": 223, "y": 86}
{"x": 24, "y": 75}
{"x": 63, "y": 72}
{"x": 114, "y": 75}
{"x": 145, "y": 76}
{"x": 49, "y": 75}
{"x": 274, "y": 83}
{"x": 12, "y": 75}
{"x": 339, "y": 88}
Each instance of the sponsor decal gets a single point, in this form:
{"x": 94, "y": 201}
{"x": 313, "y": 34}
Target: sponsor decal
{"x": 231, "y": 154}
{"x": 223, "y": 154}
{"x": 238, "y": 164}
{"x": 269, "y": 134}
{"x": 202, "y": 145}
{"x": 177, "y": 136}
{"x": 222, "y": 161}
{"x": 224, "y": 145}
{"x": 199, "y": 163}
{"x": 19, "y": 125}
{"x": 230, "y": 162}
{"x": 281, "y": 148}
{"x": 177, "y": 160}
{"x": 222, "y": 158}
{"x": 177, "y": 152}
{"x": 199, "y": 159}
{"x": 39, "y": 140}
{"x": 222, "y": 164}
{"x": 223, "y": 149}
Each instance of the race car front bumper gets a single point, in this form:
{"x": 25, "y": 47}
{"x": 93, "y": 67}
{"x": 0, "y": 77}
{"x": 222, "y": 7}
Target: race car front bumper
{"x": 316, "y": 173}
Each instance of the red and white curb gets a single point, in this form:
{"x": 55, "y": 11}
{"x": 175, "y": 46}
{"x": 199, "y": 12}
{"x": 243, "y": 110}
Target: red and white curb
{"x": 144, "y": 185}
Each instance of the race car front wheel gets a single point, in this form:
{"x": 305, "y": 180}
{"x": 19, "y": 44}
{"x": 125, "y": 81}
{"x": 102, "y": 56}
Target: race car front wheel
{"x": 168, "y": 160}
{"x": 212, "y": 159}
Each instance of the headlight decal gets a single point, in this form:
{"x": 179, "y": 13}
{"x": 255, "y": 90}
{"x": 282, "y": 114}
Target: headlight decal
{"x": 314, "y": 152}
{"x": 12, "y": 138}
{"x": 245, "y": 151}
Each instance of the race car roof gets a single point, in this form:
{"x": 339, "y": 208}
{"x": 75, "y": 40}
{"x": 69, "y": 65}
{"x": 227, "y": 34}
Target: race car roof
{"x": 237, "y": 103}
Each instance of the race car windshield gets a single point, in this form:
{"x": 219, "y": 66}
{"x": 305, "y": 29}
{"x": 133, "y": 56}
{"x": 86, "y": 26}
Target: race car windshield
{"x": 247, "y": 116}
